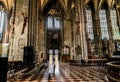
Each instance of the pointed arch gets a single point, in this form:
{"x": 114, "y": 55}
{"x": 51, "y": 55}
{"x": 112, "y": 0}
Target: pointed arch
{"x": 7, "y": 4}
{"x": 44, "y": 7}
{"x": 104, "y": 5}
{"x": 103, "y": 20}
{"x": 90, "y": 4}
{"x": 89, "y": 20}
{"x": 110, "y": 3}
{"x": 1, "y": 2}
{"x": 87, "y": 1}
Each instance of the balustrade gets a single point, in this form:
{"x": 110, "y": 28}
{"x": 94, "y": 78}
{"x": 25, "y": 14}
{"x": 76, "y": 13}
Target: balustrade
{"x": 113, "y": 71}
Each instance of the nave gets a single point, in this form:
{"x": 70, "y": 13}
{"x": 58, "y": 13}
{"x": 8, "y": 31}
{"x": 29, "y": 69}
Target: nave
{"x": 63, "y": 73}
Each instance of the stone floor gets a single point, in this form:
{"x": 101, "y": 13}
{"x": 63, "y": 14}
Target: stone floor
{"x": 66, "y": 73}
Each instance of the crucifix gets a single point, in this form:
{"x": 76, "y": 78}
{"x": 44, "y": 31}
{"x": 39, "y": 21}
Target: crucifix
{"x": 24, "y": 14}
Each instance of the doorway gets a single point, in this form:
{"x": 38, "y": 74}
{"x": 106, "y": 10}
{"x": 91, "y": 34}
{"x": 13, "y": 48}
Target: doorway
{"x": 54, "y": 15}
{"x": 53, "y": 44}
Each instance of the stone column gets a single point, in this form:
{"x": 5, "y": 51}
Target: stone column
{"x": 35, "y": 19}
{"x": 11, "y": 34}
{"x": 82, "y": 30}
{"x": 97, "y": 34}
{"x": 34, "y": 22}
{"x": 118, "y": 17}
{"x": 110, "y": 31}
{"x": 109, "y": 23}
{"x": 30, "y": 23}
{"x": 77, "y": 32}
{"x": 41, "y": 37}
{"x": 67, "y": 32}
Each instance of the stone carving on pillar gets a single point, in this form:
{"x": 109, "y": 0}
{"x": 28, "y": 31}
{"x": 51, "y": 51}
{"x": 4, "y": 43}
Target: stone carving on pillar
{"x": 97, "y": 34}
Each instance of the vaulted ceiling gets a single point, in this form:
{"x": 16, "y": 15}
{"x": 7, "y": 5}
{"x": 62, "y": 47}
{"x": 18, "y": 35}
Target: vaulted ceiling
{"x": 97, "y": 3}
{"x": 63, "y": 2}
{"x": 7, "y": 4}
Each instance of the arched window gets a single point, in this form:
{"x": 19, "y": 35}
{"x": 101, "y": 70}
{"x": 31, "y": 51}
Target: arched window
{"x": 50, "y": 22}
{"x": 115, "y": 29}
{"x": 53, "y": 23}
{"x": 103, "y": 24}
{"x": 89, "y": 23}
{"x": 3, "y": 20}
{"x": 56, "y": 23}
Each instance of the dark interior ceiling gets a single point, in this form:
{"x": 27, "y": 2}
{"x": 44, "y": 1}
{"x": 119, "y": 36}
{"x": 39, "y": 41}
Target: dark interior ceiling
{"x": 55, "y": 6}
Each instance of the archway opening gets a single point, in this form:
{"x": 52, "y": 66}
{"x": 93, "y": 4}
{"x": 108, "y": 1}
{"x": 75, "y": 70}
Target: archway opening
{"x": 54, "y": 16}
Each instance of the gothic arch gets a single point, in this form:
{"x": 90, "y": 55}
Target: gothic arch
{"x": 44, "y": 7}
{"x": 87, "y": 1}
{"x": 104, "y": 5}
{"x": 8, "y": 4}
{"x": 90, "y": 3}
{"x": 2, "y": 3}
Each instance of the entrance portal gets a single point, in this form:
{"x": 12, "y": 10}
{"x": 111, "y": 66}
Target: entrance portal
{"x": 53, "y": 45}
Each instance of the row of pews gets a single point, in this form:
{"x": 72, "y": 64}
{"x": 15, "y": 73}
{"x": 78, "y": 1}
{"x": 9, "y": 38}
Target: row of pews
{"x": 26, "y": 71}
{"x": 97, "y": 62}
{"x": 112, "y": 66}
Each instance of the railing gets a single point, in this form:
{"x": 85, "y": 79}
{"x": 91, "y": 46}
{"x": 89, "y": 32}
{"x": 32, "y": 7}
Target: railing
{"x": 113, "y": 71}
{"x": 97, "y": 62}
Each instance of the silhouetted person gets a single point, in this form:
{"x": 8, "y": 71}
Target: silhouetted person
{"x": 54, "y": 66}
{"x": 25, "y": 21}
{"x": 116, "y": 46}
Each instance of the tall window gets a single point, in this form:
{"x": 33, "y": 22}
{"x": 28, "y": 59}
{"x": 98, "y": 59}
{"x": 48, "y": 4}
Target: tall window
{"x": 89, "y": 23}
{"x": 115, "y": 29}
{"x": 53, "y": 23}
{"x": 50, "y": 22}
{"x": 103, "y": 24}
{"x": 56, "y": 23}
{"x": 3, "y": 20}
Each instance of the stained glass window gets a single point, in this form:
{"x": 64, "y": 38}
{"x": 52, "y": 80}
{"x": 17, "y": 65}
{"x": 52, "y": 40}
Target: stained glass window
{"x": 50, "y": 22}
{"x": 56, "y": 23}
{"x": 3, "y": 20}
{"x": 115, "y": 29}
{"x": 89, "y": 23}
{"x": 103, "y": 24}
{"x": 53, "y": 23}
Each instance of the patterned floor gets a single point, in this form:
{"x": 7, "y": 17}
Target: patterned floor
{"x": 65, "y": 73}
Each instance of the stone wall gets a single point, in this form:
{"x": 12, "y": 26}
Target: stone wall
{"x": 19, "y": 39}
